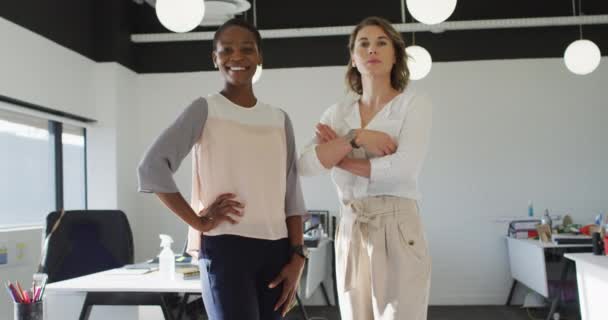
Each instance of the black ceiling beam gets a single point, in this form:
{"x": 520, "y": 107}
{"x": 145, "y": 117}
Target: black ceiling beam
{"x": 549, "y": 42}
{"x": 101, "y": 30}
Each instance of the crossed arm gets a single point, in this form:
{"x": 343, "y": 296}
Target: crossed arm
{"x": 333, "y": 150}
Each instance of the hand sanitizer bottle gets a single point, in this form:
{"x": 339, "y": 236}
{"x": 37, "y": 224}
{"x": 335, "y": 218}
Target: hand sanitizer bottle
{"x": 166, "y": 258}
{"x": 530, "y": 209}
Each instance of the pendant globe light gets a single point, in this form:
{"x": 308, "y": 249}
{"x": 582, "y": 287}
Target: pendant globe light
{"x": 180, "y": 15}
{"x": 418, "y": 59}
{"x": 582, "y": 56}
{"x": 419, "y": 62}
{"x": 431, "y": 11}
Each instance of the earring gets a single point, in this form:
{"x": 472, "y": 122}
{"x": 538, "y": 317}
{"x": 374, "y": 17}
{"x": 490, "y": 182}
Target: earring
{"x": 215, "y": 65}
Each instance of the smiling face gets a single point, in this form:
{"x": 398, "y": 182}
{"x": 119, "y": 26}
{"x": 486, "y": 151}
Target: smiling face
{"x": 237, "y": 55}
{"x": 373, "y": 52}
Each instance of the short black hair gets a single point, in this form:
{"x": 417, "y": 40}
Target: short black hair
{"x": 235, "y": 22}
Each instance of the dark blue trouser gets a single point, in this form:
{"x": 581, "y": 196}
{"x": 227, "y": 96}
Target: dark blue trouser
{"x": 235, "y": 273}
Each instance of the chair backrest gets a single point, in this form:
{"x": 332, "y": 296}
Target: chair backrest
{"x": 85, "y": 242}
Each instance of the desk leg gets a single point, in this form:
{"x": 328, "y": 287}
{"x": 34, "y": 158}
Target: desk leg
{"x": 511, "y": 293}
{"x": 164, "y": 308}
{"x": 554, "y": 304}
{"x": 556, "y": 300}
{"x": 124, "y": 299}
{"x": 301, "y": 307}
{"x": 86, "y": 308}
{"x": 333, "y": 275}
{"x": 182, "y": 305}
{"x": 324, "y": 290}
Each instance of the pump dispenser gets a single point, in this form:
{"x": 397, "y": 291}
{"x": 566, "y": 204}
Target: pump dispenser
{"x": 166, "y": 258}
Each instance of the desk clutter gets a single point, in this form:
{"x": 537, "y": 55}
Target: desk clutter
{"x": 566, "y": 233}
{"x": 187, "y": 273}
{"x": 27, "y": 304}
{"x": 184, "y": 269}
{"x": 166, "y": 264}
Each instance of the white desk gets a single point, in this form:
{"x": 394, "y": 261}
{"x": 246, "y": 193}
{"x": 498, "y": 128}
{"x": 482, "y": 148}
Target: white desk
{"x": 66, "y": 298}
{"x": 592, "y": 279}
{"x": 528, "y": 265}
{"x": 527, "y": 262}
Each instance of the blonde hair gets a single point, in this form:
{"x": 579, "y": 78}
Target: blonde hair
{"x": 400, "y": 74}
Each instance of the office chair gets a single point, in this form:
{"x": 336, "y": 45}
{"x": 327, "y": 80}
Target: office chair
{"x": 81, "y": 242}
{"x": 85, "y": 242}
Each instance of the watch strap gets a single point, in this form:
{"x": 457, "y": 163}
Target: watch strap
{"x": 351, "y": 136}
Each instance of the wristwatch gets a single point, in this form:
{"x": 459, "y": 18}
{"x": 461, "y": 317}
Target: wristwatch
{"x": 300, "y": 250}
{"x": 350, "y": 137}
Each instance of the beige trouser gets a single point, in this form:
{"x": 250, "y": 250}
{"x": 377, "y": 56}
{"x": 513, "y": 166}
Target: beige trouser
{"x": 383, "y": 266}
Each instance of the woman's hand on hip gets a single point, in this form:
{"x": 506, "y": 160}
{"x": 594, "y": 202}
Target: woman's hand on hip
{"x": 290, "y": 278}
{"x": 376, "y": 142}
{"x": 223, "y": 209}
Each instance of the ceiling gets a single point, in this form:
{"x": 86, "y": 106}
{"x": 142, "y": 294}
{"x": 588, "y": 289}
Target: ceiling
{"x": 102, "y": 29}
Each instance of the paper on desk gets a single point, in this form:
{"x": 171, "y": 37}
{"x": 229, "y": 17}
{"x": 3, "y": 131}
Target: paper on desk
{"x": 123, "y": 271}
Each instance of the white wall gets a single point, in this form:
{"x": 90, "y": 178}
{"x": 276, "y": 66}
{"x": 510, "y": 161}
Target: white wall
{"x": 112, "y": 159}
{"x": 39, "y": 71}
{"x": 504, "y": 133}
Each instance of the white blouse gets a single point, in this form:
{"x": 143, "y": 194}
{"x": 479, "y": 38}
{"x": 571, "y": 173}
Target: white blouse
{"x": 406, "y": 118}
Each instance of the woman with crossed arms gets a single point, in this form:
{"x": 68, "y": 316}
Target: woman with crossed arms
{"x": 374, "y": 145}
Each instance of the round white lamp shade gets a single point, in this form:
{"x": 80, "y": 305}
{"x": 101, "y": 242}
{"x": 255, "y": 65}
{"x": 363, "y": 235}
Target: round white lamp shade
{"x": 180, "y": 15}
{"x": 258, "y": 74}
{"x": 419, "y": 62}
{"x": 431, "y": 11}
{"x": 582, "y": 57}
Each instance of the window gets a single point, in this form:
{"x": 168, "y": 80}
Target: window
{"x": 39, "y": 172}
{"x": 74, "y": 167}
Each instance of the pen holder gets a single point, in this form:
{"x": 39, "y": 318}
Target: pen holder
{"x": 28, "y": 311}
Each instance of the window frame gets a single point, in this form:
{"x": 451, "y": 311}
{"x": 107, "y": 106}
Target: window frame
{"x": 55, "y": 124}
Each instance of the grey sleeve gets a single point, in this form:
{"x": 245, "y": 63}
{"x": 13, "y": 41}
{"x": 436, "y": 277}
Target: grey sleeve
{"x": 294, "y": 200}
{"x": 164, "y": 156}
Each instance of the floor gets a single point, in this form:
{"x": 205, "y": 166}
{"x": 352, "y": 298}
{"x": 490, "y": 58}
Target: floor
{"x": 568, "y": 312}
{"x": 450, "y": 313}
{"x": 435, "y": 313}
